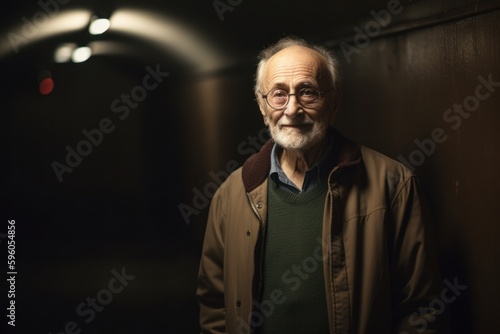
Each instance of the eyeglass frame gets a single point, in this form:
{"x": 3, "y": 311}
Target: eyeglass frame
{"x": 298, "y": 100}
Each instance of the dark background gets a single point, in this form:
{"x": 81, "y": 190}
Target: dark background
{"x": 120, "y": 207}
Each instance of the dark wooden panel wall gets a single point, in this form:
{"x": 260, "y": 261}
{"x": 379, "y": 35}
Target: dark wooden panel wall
{"x": 430, "y": 98}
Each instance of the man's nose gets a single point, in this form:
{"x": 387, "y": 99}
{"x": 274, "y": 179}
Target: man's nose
{"x": 293, "y": 108}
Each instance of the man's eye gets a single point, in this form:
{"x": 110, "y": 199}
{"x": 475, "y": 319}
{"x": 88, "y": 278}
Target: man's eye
{"x": 279, "y": 94}
{"x": 308, "y": 92}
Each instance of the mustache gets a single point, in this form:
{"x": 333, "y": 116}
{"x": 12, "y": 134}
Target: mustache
{"x": 297, "y": 121}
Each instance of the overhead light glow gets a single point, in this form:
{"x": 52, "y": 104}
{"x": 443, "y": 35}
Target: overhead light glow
{"x": 81, "y": 54}
{"x": 60, "y": 23}
{"x": 99, "y": 26}
{"x": 173, "y": 35}
{"x": 63, "y": 52}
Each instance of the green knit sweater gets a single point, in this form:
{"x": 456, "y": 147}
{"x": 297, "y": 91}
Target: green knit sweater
{"x": 293, "y": 299}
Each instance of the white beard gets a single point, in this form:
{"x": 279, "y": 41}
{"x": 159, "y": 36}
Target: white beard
{"x": 295, "y": 139}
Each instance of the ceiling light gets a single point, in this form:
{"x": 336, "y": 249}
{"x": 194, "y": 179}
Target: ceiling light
{"x": 60, "y": 22}
{"x": 99, "y": 26}
{"x": 81, "y": 54}
{"x": 63, "y": 52}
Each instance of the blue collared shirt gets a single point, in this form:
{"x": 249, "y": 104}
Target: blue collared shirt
{"x": 312, "y": 177}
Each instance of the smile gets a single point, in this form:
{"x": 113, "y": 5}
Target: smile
{"x": 296, "y": 126}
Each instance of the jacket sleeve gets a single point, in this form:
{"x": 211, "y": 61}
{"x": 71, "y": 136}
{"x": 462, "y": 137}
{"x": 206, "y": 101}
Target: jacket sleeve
{"x": 417, "y": 286}
{"x": 210, "y": 289}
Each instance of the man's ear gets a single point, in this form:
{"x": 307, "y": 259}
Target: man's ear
{"x": 262, "y": 109}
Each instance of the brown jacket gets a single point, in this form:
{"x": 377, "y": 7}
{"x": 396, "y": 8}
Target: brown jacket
{"x": 380, "y": 268}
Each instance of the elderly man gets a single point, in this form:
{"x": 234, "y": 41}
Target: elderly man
{"x": 316, "y": 234}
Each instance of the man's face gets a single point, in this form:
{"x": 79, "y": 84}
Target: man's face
{"x": 296, "y": 127}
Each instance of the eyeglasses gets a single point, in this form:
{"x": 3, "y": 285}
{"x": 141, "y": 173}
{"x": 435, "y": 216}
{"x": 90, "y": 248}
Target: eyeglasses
{"x": 307, "y": 97}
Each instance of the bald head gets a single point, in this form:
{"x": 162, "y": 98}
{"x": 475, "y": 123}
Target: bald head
{"x": 296, "y": 64}
{"x": 326, "y": 57}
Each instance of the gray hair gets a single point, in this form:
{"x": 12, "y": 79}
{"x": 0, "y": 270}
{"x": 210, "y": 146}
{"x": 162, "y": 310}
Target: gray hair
{"x": 267, "y": 53}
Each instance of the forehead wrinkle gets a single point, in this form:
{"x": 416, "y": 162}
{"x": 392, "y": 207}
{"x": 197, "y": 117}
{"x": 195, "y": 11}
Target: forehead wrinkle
{"x": 294, "y": 64}
{"x": 290, "y": 75}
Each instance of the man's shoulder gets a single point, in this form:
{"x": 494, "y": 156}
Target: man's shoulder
{"x": 384, "y": 177}
{"x": 377, "y": 162}
{"x": 370, "y": 154}
{"x": 232, "y": 182}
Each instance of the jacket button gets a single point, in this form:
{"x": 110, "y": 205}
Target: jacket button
{"x": 238, "y": 303}
{"x": 248, "y": 233}
{"x": 259, "y": 205}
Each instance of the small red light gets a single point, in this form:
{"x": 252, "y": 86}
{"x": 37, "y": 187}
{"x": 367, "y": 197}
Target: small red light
{"x": 46, "y": 86}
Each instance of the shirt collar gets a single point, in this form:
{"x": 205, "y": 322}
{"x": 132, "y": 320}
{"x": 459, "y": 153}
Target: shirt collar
{"x": 312, "y": 177}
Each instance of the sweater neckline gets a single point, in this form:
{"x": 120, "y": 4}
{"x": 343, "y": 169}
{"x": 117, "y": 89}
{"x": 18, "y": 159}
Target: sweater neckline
{"x": 301, "y": 198}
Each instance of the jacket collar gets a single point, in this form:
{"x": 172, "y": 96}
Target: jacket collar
{"x": 256, "y": 168}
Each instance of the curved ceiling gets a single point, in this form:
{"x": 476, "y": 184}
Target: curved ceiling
{"x": 205, "y": 36}
{"x": 164, "y": 33}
